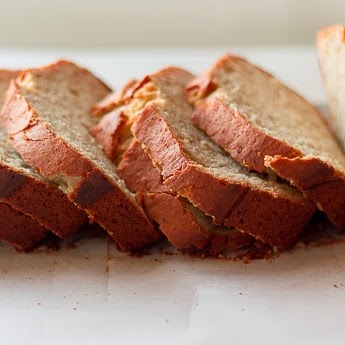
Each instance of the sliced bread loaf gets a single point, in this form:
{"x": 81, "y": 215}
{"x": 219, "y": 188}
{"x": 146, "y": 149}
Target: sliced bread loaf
{"x": 330, "y": 43}
{"x": 192, "y": 166}
{"x": 46, "y": 114}
{"x": 262, "y": 123}
{"x": 185, "y": 226}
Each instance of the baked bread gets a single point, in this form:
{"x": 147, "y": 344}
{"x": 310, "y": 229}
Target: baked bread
{"x": 46, "y": 114}
{"x": 28, "y": 193}
{"x": 192, "y": 166}
{"x": 19, "y": 229}
{"x": 263, "y": 124}
{"x": 16, "y": 228}
{"x": 185, "y": 226}
{"x": 25, "y": 190}
{"x": 330, "y": 42}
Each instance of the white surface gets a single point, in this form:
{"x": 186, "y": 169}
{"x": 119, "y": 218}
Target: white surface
{"x": 93, "y": 294}
{"x": 155, "y": 23}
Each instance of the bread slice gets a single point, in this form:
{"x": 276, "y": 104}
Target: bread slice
{"x": 25, "y": 190}
{"x": 185, "y": 226}
{"x": 330, "y": 42}
{"x": 46, "y": 114}
{"x": 28, "y": 193}
{"x": 19, "y": 229}
{"x": 262, "y": 123}
{"x": 16, "y": 228}
{"x": 192, "y": 166}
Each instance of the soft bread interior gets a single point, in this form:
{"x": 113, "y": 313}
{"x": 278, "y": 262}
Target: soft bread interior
{"x": 167, "y": 95}
{"x": 64, "y": 104}
{"x": 199, "y": 146}
{"x": 276, "y": 110}
{"x": 144, "y": 95}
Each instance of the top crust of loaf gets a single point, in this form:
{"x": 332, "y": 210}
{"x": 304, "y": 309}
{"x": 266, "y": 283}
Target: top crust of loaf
{"x": 273, "y": 217}
{"x": 115, "y": 99}
{"x": 93, "y": 186}
{"x": 184, "y": 226}
{"x": 226, "y": 115}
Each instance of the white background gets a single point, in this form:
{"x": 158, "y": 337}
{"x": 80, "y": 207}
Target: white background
{"x": 161, "y": 23}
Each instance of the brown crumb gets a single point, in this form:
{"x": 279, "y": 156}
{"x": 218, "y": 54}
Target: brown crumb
{"x": 336, "y": 286}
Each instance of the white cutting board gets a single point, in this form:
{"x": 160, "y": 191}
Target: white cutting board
{"x": 92, "y": 294}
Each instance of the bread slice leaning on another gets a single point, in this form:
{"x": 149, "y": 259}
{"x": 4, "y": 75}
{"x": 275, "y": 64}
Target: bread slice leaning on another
{"x": 195, "y": 168}
{"x": 29, "y": 194}
{"x": 330, "y": 42}
{"x": 264, "y": 124}
{"x": 185, "y": 226}
{"x": 46, "y": 114}
{"x": 25, "y": 190}
{"x": 16, "y": 228}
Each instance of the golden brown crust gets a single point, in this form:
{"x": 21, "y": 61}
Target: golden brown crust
{"x": 108, "y": 132}
{"x": 105, "y": 105}
{"x": 138, "y": 171}
{"x": 46, "y": 204}
{"x": 116, "y": 99}
{"x": 35, "y": 141}
{"x": 184, "y": 231}
{"x": 18, "y": 229}
{"x": 43, "y": 149}
{"x": 258, "y": 212}
{"x": 249, "y": 145}
{"x": 43, "y": 202}
{"x": 178, "y": 223}
{"x": 319, "y": 181}
{"x": 231, "y": 130}
{"x": 175, "y": 220}
{"x": 108, "y": 206}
